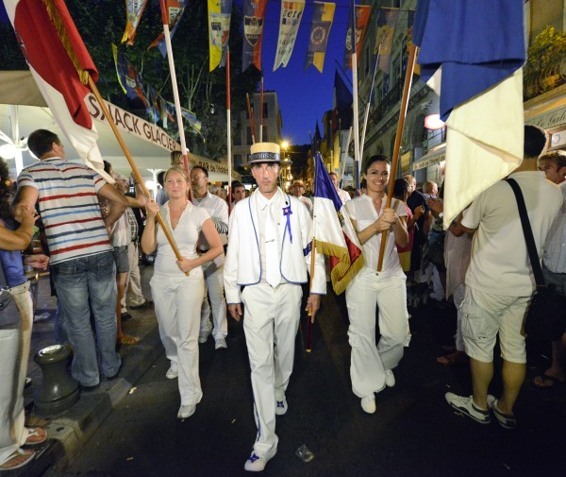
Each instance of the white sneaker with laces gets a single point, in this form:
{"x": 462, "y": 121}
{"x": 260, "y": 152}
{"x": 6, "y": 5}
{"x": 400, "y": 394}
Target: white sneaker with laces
{"x": 466, "y": 406}
{"x": 368, "y": 404}
{"x": 506, "y": 421}
{"x": 256, "y": 462}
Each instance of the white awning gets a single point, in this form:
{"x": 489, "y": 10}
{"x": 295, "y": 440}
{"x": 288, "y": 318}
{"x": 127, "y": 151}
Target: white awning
{"x": 432, "y": 157}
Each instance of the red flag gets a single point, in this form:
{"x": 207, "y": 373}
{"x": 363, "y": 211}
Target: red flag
{"x": 43, "y": 28}
{"x": 363, "y": 13}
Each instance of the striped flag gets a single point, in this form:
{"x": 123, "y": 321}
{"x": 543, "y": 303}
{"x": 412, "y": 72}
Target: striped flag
{"x": 363, "y": 14}
{"x": 322, "y": 18}
{"x": 175, "y": 9}
{"x": 254, "y": 19}
{"x": 134, "y": 12}
{"x": 54, "y": 51}
{"x": 219, "y": 14}
{"x": 333, "y": 231}
{"x": 471, "y": 53}
{"x": 290, "y": 20}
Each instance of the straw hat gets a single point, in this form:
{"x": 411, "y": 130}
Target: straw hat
{"x": 264, "y": 152}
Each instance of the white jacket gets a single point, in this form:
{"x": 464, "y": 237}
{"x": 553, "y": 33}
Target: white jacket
{"x": 243, "y": 262}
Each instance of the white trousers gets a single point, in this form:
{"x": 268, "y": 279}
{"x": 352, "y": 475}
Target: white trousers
{"x": 177, "y": 307}
{"x": 214, "y": 277}
{"x": 271, "y": 321}
{"x": 458, "y": 297}
{"x": 134, "y": 295}
{"x": 369, "y": 362}
{"x": 14, "y": 353}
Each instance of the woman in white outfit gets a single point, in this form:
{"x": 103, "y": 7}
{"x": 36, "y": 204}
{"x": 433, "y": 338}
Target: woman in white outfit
{"x": 177, "y": 286}
{"x": 371, "y": 365}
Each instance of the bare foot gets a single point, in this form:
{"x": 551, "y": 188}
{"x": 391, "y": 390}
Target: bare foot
{"x": 17, "y": 459}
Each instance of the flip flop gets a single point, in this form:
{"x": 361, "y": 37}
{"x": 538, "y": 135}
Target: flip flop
{"x": 128, "y": 340}
{"x": 17, "y": 459}
{"x": 544, "y": 381}
{"x": 36, "y": 435}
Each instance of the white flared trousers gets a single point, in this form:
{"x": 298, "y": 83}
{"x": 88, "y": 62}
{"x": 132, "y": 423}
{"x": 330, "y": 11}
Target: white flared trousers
{"x": 177, "y": 306}
{"x": 271, "y": 321}
{"x": 369, "y": 362}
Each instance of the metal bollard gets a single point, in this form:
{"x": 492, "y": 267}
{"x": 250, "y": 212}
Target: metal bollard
{"x": 58, "y": 391}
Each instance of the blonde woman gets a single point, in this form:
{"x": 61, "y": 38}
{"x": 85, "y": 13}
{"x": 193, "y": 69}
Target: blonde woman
{"x": 178, "y": 285}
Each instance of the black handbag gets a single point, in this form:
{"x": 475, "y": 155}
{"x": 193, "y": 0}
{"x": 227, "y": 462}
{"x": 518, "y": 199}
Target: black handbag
{"x": 545, "y": 317}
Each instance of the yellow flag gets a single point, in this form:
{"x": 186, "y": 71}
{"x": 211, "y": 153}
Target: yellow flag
{"x": 219, "y": 12}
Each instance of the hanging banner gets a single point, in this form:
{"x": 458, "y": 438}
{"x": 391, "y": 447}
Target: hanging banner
{"x": 129, "y": 79}
{"x": 219, "y": 13}
{"x": 254, "y": 19}
{"x": 363, "y": 13}
{"x": 290, "y": 20}
{"x": 323, "y": 15}
{"x": 175, "y": 9}
{"x": 134, "y": 12}
{"x": 386, "y": 23}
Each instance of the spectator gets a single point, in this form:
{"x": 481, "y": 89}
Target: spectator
{"x": 493, "y": 306}
{"x": 344, "y": 196}
{"x": 553, "y": 164}
{"x": 80, "y": 251}
{"x": 298, "y": 190}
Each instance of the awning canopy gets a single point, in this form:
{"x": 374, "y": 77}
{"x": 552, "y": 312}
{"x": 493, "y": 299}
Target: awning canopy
{"x": 23, "y": 110}
{"x": 432, "y": 157}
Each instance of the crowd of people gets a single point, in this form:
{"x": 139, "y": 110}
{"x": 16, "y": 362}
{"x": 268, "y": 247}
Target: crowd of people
{"x": 250, "y": 258}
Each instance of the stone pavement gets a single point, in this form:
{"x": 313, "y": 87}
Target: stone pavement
{"x": 70, "y": 429}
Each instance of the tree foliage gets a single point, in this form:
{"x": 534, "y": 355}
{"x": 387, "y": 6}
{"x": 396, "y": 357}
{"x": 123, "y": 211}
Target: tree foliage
{"x": 101, "y": 24}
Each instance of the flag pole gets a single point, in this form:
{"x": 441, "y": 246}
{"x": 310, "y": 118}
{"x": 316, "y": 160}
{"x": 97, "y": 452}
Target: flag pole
{"x": 310, "y": 319}
{"x": 261, "y": 112}
{"x": 368, "y": 104}
{"x": 171, "y": 61}
{"x": 228, "y": 128}
{"x": 355, "y": 95}
{"x": 136, "y": 173}
{"x": 397, "y": 145}
{"x": 251, "y": 118}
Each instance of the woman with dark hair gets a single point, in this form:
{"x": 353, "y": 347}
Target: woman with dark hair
{"x": 16, "y": 319}
{"x": 371, "y": 365}
{"x": 401, "y": 192}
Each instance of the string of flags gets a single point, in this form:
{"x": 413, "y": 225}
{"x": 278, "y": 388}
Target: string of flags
{"x": 254, "y": 14}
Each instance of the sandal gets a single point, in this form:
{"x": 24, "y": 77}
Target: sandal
{"x": 36, "y": 435}
{"x": 128, "y": 340}
{"x": 17, "y": 459}
{"x": 544, "y": 381}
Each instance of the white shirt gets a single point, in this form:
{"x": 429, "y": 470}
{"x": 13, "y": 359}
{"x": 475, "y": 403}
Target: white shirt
{"x": 218, "y": 211}
{"x": 499, "y": 263}
{"x": 555, "y": 245}
{"x": 344, "y": 196}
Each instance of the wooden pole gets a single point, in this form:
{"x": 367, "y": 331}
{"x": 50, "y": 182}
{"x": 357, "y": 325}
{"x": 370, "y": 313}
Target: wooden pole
{"x": 228, "y": 128}
{"x": 398, "y": 138}
{"x": 137, "y": 176}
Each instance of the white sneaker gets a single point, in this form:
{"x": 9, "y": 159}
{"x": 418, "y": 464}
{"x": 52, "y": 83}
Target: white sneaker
{"x": 256, "y": 463}
{"x": 466, "y": 406}
{"x": 172, "y": 373}
{"x": 186, "y": 411}
{"x": 220, "y": 343}
{"x": 281, "y": 406}
{"x": 368, "y": 404}
{"x": 203, "y": 337}
{"x": 389, "y": 378}
{"x": 507, "y": 421}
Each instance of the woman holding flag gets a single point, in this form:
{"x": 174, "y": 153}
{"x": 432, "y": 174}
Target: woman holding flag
{"x": 371, "y": 365}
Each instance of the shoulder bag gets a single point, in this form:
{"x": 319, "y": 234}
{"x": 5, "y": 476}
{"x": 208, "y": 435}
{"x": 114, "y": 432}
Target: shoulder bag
{"x": 544, "y": 319}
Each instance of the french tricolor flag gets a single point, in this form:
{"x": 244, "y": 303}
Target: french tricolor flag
{"x": 54, "y": 51}
{"x": 334, "y": 233}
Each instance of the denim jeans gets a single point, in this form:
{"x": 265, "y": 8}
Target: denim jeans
{"x": 86, "y": 285}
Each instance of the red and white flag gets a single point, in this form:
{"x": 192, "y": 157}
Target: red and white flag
{"x": 43, "y": 28}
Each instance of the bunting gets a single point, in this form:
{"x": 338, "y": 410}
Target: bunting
{"x": 363, "y": 14}
{"x": 334, "y": 233}
{"x": 386, "y": 22}
{"x": 289, "y": 22}
{"x": 471, "y": 54}
{"x": 129, "y": 79}
{"x": 175, "y": 8}
{"x": 56, "y": 56}
{"x": 219, "y": 14}
{"x": 254, "y": 19}
{"x": 134, "y": 12}
{"x": 322, "y": 18}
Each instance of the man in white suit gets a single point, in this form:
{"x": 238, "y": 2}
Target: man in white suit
{"x": 267, "y": 261}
